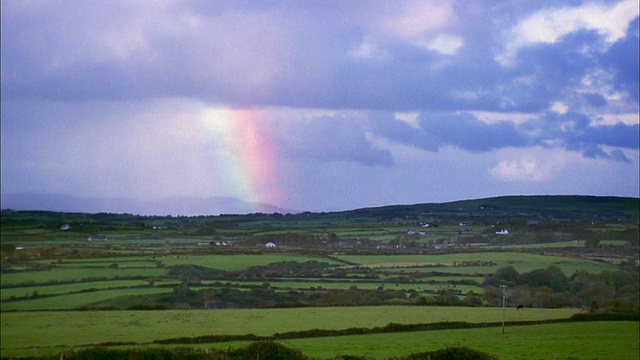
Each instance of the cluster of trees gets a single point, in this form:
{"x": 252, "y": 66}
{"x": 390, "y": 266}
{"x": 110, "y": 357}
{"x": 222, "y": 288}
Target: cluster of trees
{"x": 551, "y": 288}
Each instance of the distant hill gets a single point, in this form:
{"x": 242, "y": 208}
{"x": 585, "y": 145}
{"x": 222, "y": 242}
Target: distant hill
{"x": 533, "y": 207}
{"x": 540, "y": 206}
{"x": 187, "y": 206}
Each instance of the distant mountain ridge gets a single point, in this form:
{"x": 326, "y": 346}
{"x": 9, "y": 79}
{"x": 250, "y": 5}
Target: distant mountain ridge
{"x": 177, "y": 205}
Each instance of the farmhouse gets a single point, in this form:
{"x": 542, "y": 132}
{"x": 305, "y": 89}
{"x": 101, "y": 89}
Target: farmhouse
{"x": 270, "y": 245}
{"x": 502, "y": 232}
{"x": 98, "y": 239}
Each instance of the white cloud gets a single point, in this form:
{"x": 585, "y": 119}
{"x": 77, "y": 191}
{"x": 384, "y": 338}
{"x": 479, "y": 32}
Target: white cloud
{"x": 559, "y": 107}
{"x": 368, "y": 49}
{"x": 550, "y": 25}
{"x": 415, "y": 18}
{"x": 489, "y": 117}
{"x": 613, "y": 119}
{"x": 445, "y": 44}
{"x": 530, "y": 165}
{"x": 410, "y": 118}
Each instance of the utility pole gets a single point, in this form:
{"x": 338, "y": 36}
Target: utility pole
{"x": 504, "y": 296}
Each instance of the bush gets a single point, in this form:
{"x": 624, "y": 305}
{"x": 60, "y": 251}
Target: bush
{"x": 266, "y": 350}
{"x": 452, "y": 353}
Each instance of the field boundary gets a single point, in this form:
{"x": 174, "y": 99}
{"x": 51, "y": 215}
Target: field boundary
{"x": 389, "y": 328}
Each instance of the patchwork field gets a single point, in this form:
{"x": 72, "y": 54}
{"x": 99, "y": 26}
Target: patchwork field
{"x": 351, "y": 274}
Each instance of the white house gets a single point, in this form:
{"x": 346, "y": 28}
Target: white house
{"x": 65, "y": 227}
{"x": 502, "y": 232}
{"x": 270, "y": 245}
{"x": 98, "y": 238}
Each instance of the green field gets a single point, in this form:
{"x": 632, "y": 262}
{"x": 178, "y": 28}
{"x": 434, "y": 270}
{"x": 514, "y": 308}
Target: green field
{"x": 73, "y": 301}
{"x": 75, "y": 274}
{"x": 57, "y": 331}
{"x": 66, "y": 288}
{"x": 596, "y": 340}
{"x": 235, "y": 262}
{"x": 447, "y": 262}
{"x": 326, "y": 272}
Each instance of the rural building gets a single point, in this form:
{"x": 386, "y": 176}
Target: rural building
{"x": 98, "y": 239}
{"x": 270, "y": 245}
{"x": 65, "y": 227}
{"x": 502, "y": 232}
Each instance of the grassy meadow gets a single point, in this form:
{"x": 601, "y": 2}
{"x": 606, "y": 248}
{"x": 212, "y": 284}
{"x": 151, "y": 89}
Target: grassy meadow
{"x": 53, "y": 331}
{"x": 163, "y": 278}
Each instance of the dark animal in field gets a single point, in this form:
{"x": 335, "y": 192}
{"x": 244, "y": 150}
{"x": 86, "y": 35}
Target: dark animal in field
{"x": 519, "y": 307}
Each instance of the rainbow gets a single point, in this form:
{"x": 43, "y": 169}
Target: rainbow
{"x": 248, "y": 164}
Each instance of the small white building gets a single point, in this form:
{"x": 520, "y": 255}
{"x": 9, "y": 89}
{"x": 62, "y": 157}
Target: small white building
{"x": 65, "y": 227}
{"x": 270, "y": 245}
{"x": 98, "y": 238}
{"x": 502, "y": 232}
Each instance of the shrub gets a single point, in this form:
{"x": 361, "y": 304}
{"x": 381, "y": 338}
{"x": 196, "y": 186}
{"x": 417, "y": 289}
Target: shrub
{"x": 452, "y": 353}
{"x": 266, "y": 350}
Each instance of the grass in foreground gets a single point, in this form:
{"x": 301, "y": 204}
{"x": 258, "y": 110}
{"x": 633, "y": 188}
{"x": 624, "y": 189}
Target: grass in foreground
{"x": 53, "y": 331}
{"x": 592, "y": 340}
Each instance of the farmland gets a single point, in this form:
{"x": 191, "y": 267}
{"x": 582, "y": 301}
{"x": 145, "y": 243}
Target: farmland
{"x": 157, "y": 278}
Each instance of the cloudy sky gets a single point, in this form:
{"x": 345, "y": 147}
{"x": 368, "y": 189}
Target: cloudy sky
{"x": 320, "y": 105}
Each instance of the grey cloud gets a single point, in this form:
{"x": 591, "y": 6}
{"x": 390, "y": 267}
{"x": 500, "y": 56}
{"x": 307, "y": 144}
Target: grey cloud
{"x": 332, "y": 138}
{"x": 622, "y": 59}
{"x": 274, "y": 53}
{"x": 571, "y": 131}
{"x": 464, "y": 131}
{"x": 574, "y": 131}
